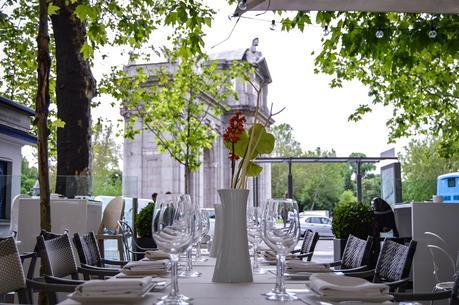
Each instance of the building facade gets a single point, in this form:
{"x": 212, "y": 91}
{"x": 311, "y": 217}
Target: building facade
{"x": 14, "y": 133}
{"x": 146, "y": 170}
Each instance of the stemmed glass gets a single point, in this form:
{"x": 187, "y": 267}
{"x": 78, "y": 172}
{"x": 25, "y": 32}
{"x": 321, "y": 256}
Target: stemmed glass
{"x": 172, "y": 229}
{"x": 205, "y": 225}
{"x": 281, "y": 233}
{"x": 254, "y": 235}
{"x": 197, "y": 229}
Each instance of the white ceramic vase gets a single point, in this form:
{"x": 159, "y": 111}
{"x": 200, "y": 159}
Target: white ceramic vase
{"x": 218, "y": 230}
{"x": 233, "y": 260}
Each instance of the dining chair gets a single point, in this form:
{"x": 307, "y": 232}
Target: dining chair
{"x": 432, "y": 296}
{"x": 441, "y": 260}
{"x": 393, "y": 265}
{"x": 58, "y": 260}
{"x": 129, "y": 242}
{"x": 13, "y": 280}
{"x": 12, "y": 277}
{"x": 109, "y": 228}
{"x": 14, "y": 214}
{"x": 90, "y": 258}
{"x": 355, "y": 255}
{"x": 307, "y": 247}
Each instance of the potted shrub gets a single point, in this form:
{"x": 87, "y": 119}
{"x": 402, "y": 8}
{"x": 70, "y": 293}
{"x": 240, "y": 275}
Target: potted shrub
{"x": 350, "y": 217}
{"x": 143, "y": 227}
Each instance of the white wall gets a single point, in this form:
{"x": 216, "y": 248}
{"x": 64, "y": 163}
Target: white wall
{"x": 11, "y": 151}
{"x": 442, "y": 219}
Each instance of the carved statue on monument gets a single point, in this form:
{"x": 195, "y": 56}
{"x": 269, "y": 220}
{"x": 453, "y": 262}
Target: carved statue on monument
{"x": 252, "y": 55}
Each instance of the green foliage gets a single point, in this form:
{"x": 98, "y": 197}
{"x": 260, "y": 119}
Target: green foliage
{"x": 143, "y": 221}
{"x": 414, "y": 74}
{"x": 106, "y": 155}
{"x": 286, "y": 145}
{"x": 421, "y": 165}
{"x": 29, "y": 175}
{"x": 347, "y": 197}
{"x": 371, "y": 188}
{"x": 352, "y": 218}
{"x": 178, "y": 104}
{"x": 129, "y": 24}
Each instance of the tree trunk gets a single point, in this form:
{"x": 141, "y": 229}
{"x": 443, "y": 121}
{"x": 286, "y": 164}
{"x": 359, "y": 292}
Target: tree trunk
{"x": 41, "y": 120}
{"x": 75, "y": 87}
{"x": 187, "y": 180}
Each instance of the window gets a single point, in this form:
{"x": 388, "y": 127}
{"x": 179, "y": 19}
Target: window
{"x": 315, "y": 219}
{"x": 325, "y": 221}
{"x": 451, "y": 182}
{"x": 5, "y": 189}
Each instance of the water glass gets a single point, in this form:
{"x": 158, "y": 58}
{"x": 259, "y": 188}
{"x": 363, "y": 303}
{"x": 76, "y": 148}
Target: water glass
{"x": 254, "y": 235}
{"x": 197, "y": 229}
{"x": 172, "y": 229}
{"x": 281, "y": 233}
{"x": 205, "y": 226}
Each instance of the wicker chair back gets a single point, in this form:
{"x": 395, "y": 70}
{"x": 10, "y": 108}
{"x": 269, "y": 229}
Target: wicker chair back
{"x": 57, "y": 256}
{"x": 394, "y": 261}
{"x": 87, "y": 249}
{"x": 356, "y": 252}
{"x": 11, "y": 272}
{"x": 309, "y": 241}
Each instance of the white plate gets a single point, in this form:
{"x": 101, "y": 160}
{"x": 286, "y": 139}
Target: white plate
{"x": 112, "y": 299}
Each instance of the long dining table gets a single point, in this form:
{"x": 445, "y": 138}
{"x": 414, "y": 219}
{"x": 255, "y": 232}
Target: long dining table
{"x": 205, "y": 292}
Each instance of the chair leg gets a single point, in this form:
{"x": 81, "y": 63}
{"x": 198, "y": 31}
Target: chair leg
{"x": 24, "y": 296}
{"x": 121, "y": 249}
{"x": 101, "y": 247}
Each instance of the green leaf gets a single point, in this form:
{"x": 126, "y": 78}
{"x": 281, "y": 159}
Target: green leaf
{"x": 253, "y": 169}
{"x": 87, "y": 51}
{"x": 52, "y": 9}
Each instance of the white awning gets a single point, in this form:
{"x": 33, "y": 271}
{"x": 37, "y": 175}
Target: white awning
{"x": 401, "y": 6}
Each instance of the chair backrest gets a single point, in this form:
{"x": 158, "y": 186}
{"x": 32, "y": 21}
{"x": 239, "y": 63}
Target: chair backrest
{"x": 446, "y": 261}
{"x": 14, "y": 214}
{"x": 394, "y": 261}
{"x": 88, "y": 249}
{"x": 455, "y": 291}
{"x": 113, "y": 212}
{"x": 126, "y": 235}
{"x": 57, "y": 256}
{"x": 309, "y": 241}
{"x": 12, "y": 276}
{"x": 356, "y": 252}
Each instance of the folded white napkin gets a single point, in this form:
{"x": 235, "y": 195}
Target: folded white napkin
{"x": 271, "y": 255}
{"x": 147, "y": 265}
{"x": 156, "y": 255}
{"x": 347, "y": 287}
{"x": 302, "y": 266}
{"x": 114, "y": 287}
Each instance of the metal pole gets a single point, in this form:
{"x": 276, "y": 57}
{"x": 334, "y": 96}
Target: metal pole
{"x": 135, "y": 206}
{"x": 255, "y": 191}
{"x": 290, "y": 180}
{"x": 359, "y": 182}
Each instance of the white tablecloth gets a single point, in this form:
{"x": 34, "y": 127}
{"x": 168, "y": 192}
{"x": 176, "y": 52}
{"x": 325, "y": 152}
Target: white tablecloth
{"x": 205, "y": 292}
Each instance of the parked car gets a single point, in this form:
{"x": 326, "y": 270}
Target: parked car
{"x": 320, "y": 224}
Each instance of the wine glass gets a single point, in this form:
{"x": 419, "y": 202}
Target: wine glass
{"x": 205, "y": 225}
{"x": 281, "y": 233}
{"x": 197, "y": 229}
{"x": 254, "y": 235}
{"x": 172, "y": 229}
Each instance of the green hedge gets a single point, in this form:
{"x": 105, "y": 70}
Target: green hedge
{"x": 143, "y": 221}
{"x": 352, "y": 218}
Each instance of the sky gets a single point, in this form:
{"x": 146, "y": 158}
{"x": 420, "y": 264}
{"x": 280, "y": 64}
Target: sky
{"x": 317, "y": 113}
